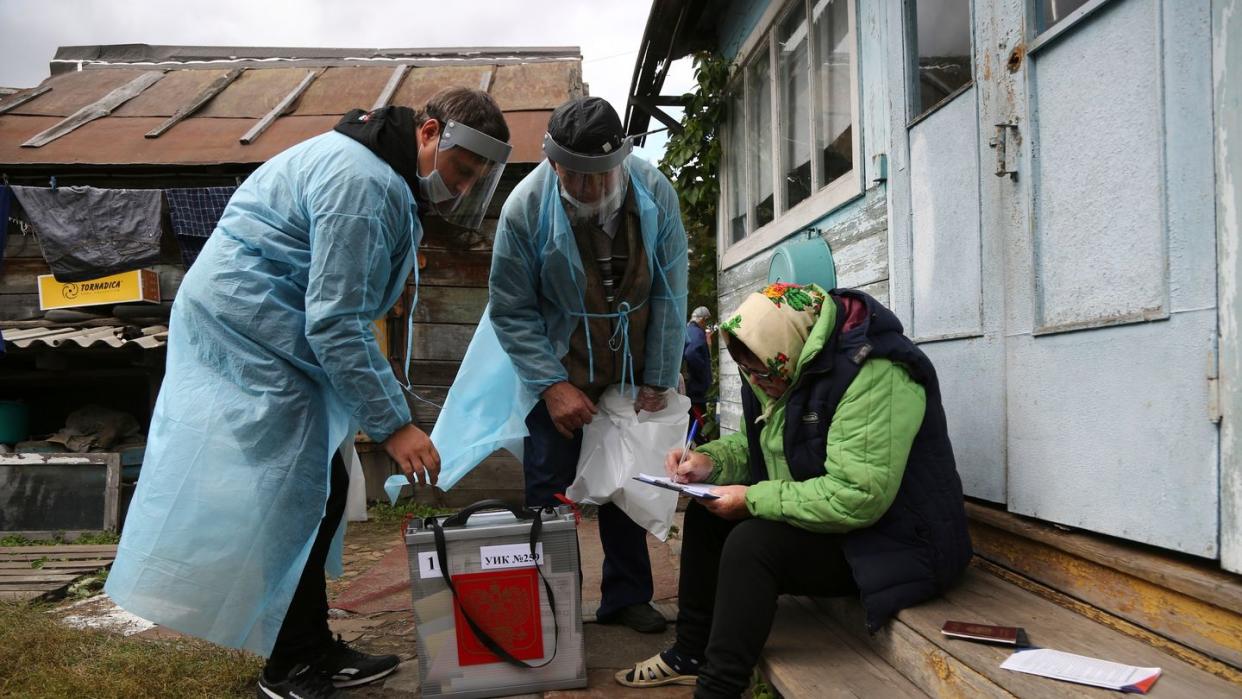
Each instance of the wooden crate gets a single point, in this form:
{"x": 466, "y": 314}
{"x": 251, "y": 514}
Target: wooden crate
{"x": 27, "y": 572}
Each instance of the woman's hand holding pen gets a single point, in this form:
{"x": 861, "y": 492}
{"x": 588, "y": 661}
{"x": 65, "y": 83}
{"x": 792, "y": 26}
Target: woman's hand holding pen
{"x": 685, "y": 466}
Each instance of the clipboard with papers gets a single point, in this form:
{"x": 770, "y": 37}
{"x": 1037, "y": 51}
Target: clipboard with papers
{"x": 694, "y": 490}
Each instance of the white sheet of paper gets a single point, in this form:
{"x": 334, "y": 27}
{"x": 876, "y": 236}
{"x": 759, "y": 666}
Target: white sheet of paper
{"x": 428, "y": 565}
{"x": 1077, "y": 668}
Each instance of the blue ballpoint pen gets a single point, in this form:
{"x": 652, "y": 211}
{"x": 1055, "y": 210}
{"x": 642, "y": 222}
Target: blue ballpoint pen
{"x": 694, "y": 430}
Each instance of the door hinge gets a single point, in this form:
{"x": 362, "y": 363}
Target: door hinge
{"x": 1213, "y": 387}
{"x": 1214, "y": 413}
{"x": 1005, "y": 143}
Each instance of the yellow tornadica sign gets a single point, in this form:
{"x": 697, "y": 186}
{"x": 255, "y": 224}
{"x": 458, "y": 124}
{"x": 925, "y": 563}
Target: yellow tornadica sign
{"x": 126, "y": 287}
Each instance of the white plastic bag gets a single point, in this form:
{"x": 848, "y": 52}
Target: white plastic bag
{"x": 618, "y": 445}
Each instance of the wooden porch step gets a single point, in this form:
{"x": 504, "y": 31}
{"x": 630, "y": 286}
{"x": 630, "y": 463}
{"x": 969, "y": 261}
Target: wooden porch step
{"x": 1188, "y": 601}
{"x": 808, "y": 655}
{"x": 944, "y": 667}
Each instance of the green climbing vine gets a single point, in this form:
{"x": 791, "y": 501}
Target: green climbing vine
{"x": 692, "y": 161}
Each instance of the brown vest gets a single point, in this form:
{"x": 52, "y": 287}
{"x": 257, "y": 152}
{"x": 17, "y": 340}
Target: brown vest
{"x": 634, "y": 288}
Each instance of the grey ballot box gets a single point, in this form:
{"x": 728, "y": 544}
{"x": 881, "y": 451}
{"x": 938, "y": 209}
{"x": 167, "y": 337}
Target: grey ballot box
{"x": 488, "y": 537}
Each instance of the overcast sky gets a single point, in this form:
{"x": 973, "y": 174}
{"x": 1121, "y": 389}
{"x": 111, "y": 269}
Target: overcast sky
{"x": 608, "y": 32}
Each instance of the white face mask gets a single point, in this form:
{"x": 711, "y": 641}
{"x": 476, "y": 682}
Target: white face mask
{"x": 433, "y": 187}
{"x": 603, "y": 210}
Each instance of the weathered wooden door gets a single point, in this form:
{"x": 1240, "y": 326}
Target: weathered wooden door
{"x": 1112, "y": 307}
{"x": 946, "y": 285}
{"x": 1095, "y": 264}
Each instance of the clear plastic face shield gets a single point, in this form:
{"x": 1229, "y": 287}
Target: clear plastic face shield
{"x": 468, "y": 167}
{"x": 593, "y": 187}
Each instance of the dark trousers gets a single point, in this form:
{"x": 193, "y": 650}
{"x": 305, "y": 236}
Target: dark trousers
{"x": 731, "y": 575}
{"x": 550, "y": 463}
{"x": 304, "y": 634}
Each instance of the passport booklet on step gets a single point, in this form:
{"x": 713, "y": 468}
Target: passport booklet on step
{"x": 1014, "y": 636}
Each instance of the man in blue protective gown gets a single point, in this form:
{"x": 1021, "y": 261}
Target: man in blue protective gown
{"x": 588, "y": 290}
{"x": 272, "y": 364}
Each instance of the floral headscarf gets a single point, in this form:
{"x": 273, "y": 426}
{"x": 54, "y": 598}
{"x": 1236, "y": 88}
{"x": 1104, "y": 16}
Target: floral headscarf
{"x": 775, "y": 323}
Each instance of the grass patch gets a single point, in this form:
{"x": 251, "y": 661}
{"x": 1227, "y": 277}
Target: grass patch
{"x": 86, "y": 539}
{"x": 15, "y": 540}
{"x": 98, "y": 539}
{"x": 88, "y": 586}
{"x": 43, "y": 658}
{"x": 382, "y": 513}
{"x": 761, "y": 689}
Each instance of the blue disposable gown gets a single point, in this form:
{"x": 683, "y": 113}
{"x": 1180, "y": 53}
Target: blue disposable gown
{"x": 271, "y": 364}
{"x": 536, "y": 292}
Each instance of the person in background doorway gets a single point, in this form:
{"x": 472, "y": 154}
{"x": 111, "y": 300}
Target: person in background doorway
{"x": 697, "y": 356}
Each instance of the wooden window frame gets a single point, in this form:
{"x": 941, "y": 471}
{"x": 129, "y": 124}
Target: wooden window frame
{"x": 841, "y": 191}
{"x": 913, "y": 115}
{"x": 1043, "y": 37}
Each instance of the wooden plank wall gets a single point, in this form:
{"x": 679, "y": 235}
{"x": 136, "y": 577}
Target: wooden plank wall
{"x": 22, "y": 263}
{"x": 858, "y": 236}
{"x": 451, "y": 298}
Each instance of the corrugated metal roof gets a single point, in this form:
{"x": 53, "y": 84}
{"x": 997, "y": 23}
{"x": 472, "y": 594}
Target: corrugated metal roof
{"x": 71, "y": 58}
{"x": 116, "y": 336}
{"x": 527, "y": 83}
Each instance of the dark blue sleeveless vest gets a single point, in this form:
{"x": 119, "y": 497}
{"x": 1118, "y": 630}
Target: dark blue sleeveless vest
{"x": 921, "y": 545}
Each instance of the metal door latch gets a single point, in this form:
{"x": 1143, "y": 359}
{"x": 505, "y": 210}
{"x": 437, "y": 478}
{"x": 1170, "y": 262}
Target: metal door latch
{"x": 1001, "y": 142}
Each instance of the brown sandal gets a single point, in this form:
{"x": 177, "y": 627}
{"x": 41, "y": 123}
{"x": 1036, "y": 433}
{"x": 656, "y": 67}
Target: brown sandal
{"x": 653, "y": 672}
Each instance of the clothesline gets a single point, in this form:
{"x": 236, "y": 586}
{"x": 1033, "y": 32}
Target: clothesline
{"x": 88, "y": 232}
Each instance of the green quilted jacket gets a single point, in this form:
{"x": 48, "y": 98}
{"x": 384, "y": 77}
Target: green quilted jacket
{"x": 868, "y": 443}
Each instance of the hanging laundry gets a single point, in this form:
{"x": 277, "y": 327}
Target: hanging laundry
{"x": 195, "y": 211}
{"x": 88, "y": 233}
{"x": 4, "y": 227}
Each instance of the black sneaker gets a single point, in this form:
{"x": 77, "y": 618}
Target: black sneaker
{"x": 302, "y": 682}
{"x": 346, "y": 667}
{"x": 643, "y": 618}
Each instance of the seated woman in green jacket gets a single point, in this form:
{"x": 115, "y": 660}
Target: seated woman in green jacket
{"x": 841, "y": 482}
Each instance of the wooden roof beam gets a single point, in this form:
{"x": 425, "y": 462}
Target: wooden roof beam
{"x": 216, "y": 87}
{"x": 31, "y": 94}
{"x": 257, "y": 130}
{"x": 97, "y": 109}
{"x": 648, "y": 106}
{"x": 390, "y": 89}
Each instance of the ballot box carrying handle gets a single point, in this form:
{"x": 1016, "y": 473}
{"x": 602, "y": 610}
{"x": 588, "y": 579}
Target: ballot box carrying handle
{"x": 536, "y": 528}
{"x": 459, "y": 519}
